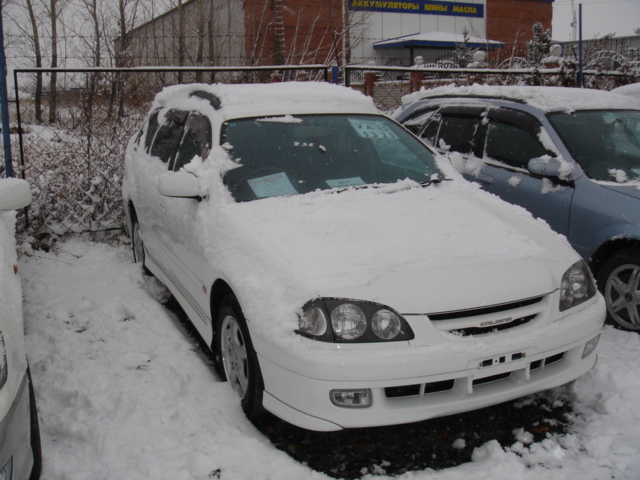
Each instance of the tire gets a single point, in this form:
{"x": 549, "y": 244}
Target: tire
{"x": 237, "y": 362}
{"x": 619, "y": 282}
{"x": 36, "y": 447}
{"x": 137, "y": 245}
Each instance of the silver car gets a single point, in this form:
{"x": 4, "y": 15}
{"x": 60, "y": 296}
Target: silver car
{"x": 569, "y": 156}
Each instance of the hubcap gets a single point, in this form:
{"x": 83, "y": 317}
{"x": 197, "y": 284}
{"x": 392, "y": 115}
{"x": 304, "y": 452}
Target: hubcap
{"x": 234, "y": 355}
{"x": 622, "y": 293}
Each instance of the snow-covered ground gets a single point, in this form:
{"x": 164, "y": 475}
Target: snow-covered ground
{"x": 123, "y": 393}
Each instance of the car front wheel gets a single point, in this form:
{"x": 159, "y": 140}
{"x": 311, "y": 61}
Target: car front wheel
{"x": 619, "y": 281}
{"x": 237, "y": 360}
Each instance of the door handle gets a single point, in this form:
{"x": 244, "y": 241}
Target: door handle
{"x": 483, "y": 178}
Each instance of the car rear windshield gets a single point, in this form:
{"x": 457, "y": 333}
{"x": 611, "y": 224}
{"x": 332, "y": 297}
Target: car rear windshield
{"x": 606, "y": 143}
{"x": 290, "y": 155}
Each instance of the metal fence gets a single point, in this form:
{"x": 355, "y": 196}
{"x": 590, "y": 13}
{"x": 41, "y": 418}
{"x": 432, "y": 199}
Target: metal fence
{"x": 387, "y": 85}
{"x": 70, "y": 145}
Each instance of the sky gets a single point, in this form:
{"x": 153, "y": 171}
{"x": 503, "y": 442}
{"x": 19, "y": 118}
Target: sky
{"x": 599, "y": 18}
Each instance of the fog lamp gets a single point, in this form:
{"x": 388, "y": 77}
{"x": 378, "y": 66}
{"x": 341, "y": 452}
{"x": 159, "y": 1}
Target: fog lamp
{"x": 590, "y": 346}
{"x": 360, "y": 398}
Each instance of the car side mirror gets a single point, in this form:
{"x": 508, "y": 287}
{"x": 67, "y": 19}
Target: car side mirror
{"x": 180, "y": 184}
{"x": 14, "y": 193}
{"x": 545, "y": 166}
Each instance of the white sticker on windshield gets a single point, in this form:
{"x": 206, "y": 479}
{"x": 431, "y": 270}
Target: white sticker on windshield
{"x": 345, "y": 182}
{"x": 274, "y": 185}
{"x": 371, "y": 129}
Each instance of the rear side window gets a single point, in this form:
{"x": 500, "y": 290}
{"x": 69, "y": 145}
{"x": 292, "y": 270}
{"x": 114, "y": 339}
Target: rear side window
{"x": 168, "y": 136}
{"x": 458, "y": 133}
{"x": 152, "y": 128}
{"x": 415, "y": 123}
{"x": 196, "y": 141}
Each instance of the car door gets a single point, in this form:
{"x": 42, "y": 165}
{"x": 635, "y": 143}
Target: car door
{"x": 511, "y": 138}
{"x": 170, "y": 226}
{"x": 151, "y": 158}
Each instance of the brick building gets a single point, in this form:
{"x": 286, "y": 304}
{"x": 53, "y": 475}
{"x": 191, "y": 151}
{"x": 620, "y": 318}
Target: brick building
{"x": 510, "y": 21}
{"x": 293, "y": 32}
{"x": 272, "y": 32}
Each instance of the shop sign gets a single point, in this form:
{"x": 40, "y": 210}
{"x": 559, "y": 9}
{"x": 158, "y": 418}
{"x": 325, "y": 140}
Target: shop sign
{"x": 424, "y": 7}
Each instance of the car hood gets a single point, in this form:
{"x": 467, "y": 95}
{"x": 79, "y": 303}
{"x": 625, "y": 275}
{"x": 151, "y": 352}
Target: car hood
{"x": 415, "y": 249}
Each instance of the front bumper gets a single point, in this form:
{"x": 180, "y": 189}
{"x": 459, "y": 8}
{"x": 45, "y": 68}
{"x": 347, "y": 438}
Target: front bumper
{"x": 15, "y": 434}
{"x": 409, "y": 384}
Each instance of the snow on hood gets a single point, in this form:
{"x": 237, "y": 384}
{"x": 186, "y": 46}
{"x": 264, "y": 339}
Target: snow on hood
{"x": 416, "y": 249}
{"x": 545, "y": 98}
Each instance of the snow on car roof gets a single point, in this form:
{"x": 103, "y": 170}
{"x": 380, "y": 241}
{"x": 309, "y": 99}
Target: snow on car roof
{"x": 545, "y": 98}
{"x": 632, "y": 90}
{"x": 245, "y": 100}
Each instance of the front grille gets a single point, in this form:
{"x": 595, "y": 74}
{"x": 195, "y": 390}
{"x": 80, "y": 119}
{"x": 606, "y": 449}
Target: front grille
{"x": 489, "y": 319}
{"x": 503, "y": 307}
{"x": 493, "y": 378}
{"x": 420, "y": 389}
{"x": 547, "y": 361}
{"x": 494, "y": 328}
{"x": 456, "y": 386}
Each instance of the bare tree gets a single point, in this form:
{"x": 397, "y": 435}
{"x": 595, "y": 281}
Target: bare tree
{"x": 200, "y": 35}
{"x": 35, "y": 38}
{"x": 53, "y": 85}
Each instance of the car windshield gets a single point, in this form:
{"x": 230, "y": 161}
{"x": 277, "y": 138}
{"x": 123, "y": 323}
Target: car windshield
{"x": 290, "y": 155}
{"x": 606, "y": 144}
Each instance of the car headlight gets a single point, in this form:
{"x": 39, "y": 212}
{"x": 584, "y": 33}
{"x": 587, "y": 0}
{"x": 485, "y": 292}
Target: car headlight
{"x": 3, "y": 362}
{"x": 349, "y": 321}
{"x": 577, "y": 286}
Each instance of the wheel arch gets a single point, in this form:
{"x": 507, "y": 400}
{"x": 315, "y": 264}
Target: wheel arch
{"x": 219, "y": 290}
{"x": 608, "y": 249}
{"x": 130, "y": 215}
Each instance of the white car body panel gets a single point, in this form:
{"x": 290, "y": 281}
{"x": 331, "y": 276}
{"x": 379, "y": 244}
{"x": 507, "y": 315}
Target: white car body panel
{"x": 15, "y": 424}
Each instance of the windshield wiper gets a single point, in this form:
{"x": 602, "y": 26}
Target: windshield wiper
{"x": 435, "y": 180}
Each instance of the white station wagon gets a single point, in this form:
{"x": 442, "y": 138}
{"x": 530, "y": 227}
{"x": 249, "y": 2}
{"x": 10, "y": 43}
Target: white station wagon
{"x": 343, "y": 274}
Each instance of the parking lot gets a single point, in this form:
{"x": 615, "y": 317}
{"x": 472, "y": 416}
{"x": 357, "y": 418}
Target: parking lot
{"x": 124, "y": 392}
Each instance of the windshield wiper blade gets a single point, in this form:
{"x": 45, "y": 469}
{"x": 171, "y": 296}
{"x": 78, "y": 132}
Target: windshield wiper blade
{"x": 432, "y": 181}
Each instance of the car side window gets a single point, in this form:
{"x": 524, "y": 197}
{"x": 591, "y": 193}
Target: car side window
{"x": 416, "y": 121}
{"x": 458, "y": 133}
{"x": 512, "y": 138}
{"x": 152, "y": 128}
{"x": 430, "y": 132}
{"x": 196, "y": 141}
{"x": 168, "y": 136}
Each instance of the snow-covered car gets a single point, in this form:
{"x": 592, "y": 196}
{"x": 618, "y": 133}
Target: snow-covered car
{"x": 632, "y": 90}
{"x": 343, "y": 274}
{"x": 570, "y": 156}
{"x": 19, "y": 431}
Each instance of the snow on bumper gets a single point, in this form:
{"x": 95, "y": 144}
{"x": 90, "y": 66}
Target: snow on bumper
{"x": 409, "y": 384}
